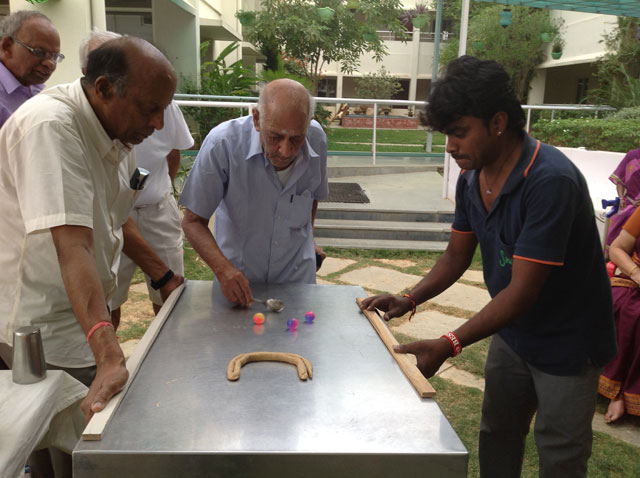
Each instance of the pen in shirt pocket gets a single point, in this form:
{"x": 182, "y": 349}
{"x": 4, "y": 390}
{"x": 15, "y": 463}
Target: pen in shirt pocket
{"x": 291, "y": 200}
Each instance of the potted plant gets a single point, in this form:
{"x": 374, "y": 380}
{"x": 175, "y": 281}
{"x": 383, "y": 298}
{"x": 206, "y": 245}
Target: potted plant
{"x": 547, "y": 37}
{"x": 378, "y": 86}
{"x": 556, "y": 49}
{"x": 246, "y": 17}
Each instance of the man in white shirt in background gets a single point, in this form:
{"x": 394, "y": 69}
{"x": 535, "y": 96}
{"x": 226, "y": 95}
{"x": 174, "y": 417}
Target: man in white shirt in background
{"x": 155, "y": 211}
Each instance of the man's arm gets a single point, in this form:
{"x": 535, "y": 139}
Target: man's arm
{"x": 173, "y": 161}
{"x": 451, "y": 265}
{"x": 74, "y": 246}
{"x": 527, "y": 280}
{"x": 233, "y": 283}
{"x": 141, "y": 253}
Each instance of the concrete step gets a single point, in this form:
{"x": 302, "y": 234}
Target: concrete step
{"x": 349, "y": 171}
{"x": 343, "y": 243}
{"x": 391, "y": 230}
{"x": 328, "y": 211}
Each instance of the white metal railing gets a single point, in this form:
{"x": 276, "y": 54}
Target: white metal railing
{"x": 248, "y": 102}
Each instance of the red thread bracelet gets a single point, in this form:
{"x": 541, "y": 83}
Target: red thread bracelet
{"x": 454, "y": 341}
{"x": 413, "y": 304}
{"x": 97, "y": 326}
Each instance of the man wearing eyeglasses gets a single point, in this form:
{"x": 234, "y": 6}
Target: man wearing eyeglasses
{"x": 29, "y": 54}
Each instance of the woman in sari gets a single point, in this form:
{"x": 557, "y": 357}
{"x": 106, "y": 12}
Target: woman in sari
{"x": 620, "y": 379}
{"x": 626, "y": 177}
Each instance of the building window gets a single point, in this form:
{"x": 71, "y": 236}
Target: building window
{"x": 327, "y": 87}
{"x": 582, "y": 90}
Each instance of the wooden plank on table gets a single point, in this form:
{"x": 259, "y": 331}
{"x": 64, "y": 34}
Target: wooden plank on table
{"x": 94, "y": 429}
{"x": 422, "y": 386}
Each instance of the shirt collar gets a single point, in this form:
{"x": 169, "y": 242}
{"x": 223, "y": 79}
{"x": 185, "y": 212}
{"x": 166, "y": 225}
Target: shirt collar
{"x": 101, "y": 140}
{"x": 10, "y": 83}
{"x": 517, "y": 175}
{"x": 255, "y": 149}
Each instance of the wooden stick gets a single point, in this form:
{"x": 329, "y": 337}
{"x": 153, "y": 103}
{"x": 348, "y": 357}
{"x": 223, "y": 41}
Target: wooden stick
{"x": 94, "y": 429}
{"x": 422, "y": 386}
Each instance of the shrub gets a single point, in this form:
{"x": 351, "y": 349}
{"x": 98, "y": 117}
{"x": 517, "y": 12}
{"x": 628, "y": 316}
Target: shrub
{"x": 595, "y": 134}
{"x": 628, "y": 113}
{"x": 218, "y": 78}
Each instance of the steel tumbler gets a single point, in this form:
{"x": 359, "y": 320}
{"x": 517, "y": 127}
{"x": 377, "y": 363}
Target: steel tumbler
{"x": 29, "y": 365}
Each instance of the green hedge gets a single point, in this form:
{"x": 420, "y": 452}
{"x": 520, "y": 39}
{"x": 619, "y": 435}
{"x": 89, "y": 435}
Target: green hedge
{"x": 595, "y": 134}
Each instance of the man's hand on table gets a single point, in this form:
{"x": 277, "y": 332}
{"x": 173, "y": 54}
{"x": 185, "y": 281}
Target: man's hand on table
{"x": 392, "y": 305}
{"x": 170, "y": 286}
{"x": 111, "y": 373}
{"x": 235, "y": 286}
{"x": 431, "y": 354}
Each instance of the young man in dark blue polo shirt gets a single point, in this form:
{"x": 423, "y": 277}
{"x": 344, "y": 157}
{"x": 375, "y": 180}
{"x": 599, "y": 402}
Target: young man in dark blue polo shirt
{"x": 529, "y": 208}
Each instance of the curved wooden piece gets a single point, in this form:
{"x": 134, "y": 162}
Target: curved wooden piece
{"x": 302, "y": 364}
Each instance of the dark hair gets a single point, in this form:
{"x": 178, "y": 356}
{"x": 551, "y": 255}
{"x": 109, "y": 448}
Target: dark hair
{"x": 110, "y": 60}
{"x": 473, "y": 87}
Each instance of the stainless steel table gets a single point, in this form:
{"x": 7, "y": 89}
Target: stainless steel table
{"x": 358, "y": 416}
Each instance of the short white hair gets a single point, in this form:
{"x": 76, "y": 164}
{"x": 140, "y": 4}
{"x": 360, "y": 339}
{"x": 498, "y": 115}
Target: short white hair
{"x": 94, "y": 39}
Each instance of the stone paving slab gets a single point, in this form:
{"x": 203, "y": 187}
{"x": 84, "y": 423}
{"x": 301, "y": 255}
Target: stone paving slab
{"x": 428, "y": 324}
{"x": 320, "y": 280}
{"x": 461, "y": 377}
{"x": 379, "y": 278}
{"x": 128, "y": 346}
{"x": 334, "y": 264}
{"x": 462, "y": 296}
{"x": 397, "y": 262}
{"x": 473, "y": 276}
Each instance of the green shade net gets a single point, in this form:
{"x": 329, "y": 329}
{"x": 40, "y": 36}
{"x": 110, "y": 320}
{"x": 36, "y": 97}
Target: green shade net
{"x": 625, "y": 8}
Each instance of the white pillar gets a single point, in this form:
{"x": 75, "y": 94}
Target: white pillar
{"x": 176, "y": 32}
{"x": 415, "y": 63}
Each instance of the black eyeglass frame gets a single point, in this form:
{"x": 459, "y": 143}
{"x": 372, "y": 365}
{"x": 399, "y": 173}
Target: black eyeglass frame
{"x": 41, "y": 54}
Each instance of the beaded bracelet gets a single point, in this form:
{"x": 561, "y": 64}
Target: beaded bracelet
{"x": 413, "y": 304}
{"x": 97, "y": 326}
{"x": 454, "y": 341}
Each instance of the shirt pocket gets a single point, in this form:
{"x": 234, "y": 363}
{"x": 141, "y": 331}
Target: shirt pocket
{"x": 298, "y": 210}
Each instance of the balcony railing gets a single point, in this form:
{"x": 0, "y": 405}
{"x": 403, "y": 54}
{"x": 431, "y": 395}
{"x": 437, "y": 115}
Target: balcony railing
{"x": 248, "y": 102}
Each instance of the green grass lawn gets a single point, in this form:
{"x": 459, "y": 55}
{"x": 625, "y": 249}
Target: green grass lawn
{"x": 348, "y": 139}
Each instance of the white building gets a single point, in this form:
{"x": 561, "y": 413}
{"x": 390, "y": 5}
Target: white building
{"x": 179, "y": 26}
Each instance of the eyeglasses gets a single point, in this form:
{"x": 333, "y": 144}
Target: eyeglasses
{"x": 42, "y": 54}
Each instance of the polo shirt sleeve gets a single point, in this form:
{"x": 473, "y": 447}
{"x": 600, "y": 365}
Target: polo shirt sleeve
{"x": 632, "y": 226}
{"x": 550, "y": 207}
{"x": 53, "y": 182}
{"x": 207, "y": 182}
{"x": 461, "y": 223}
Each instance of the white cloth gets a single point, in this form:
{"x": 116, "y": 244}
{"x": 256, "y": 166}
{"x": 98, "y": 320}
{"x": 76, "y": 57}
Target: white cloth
{"x": 57, "y": 167}
{"x": 160, "y": 226}
{"x": 40, "y": 415}
{"x": 262, "y": 228}
{"x": 152, "y": 153}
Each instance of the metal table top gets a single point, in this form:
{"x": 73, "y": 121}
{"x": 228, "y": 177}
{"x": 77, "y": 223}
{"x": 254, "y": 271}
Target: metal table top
{"x": 359, "y": 413}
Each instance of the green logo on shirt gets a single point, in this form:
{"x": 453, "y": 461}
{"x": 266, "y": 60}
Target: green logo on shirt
{"x": 504, "y": 260}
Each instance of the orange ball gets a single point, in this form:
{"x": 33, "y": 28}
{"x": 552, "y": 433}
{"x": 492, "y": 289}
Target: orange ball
{"x": 258, "y": 318}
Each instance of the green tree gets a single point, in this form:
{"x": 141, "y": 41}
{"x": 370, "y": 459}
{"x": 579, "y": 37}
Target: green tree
{"x": 518, "y": 48}
{"x": 218, "y": 78}
{"x": 618, "y": 72}
{"x": 378, "y": 85}
{"x": 321, "y": 31}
